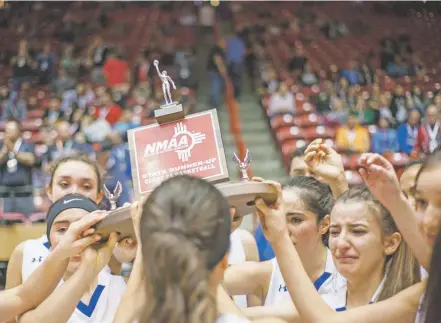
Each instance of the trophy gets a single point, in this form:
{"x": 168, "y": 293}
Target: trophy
{"x": 171, "y": 110}
{"x": 118, "y": 220}
{"x": 113, "y": 198}
{"x": 242, "y": 195}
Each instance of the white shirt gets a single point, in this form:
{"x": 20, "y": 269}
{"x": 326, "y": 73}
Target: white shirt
{"x": 330, "y": 283}
{"x": 104, "y": 301}
{"x": 34, "y": 252}
{"x": 235, "y": 257}
{"x": 280, "y": 104}
{"x": 231, "y": 318}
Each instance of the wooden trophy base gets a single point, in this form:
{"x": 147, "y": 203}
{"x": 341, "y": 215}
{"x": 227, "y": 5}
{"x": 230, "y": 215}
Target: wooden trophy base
{"x": 119, "y": 221}
{"x": 169, "y": 113}
{"x": 241, "y": 195}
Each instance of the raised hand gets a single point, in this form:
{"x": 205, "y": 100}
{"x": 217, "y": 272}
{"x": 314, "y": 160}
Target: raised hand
{"x": 272, "y": 217}
{"x": 80, "y": 235}
{"x": 324, "y": 161}
{"x": 97, "y": 259}
{"x": 379, "y": 175}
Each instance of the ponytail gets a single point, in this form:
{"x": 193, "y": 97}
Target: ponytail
{"x": 402, "y": 271}
{"x": 178, "y": 281}
{"x": 185, "y": 233}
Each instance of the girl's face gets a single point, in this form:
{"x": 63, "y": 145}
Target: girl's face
{"x": 357, "y": 241}
{"x": 75, "y": 177}
{"x": 59, "y": 228}
{"x": 428, "y": 202}
{"x": 304, "y": 231}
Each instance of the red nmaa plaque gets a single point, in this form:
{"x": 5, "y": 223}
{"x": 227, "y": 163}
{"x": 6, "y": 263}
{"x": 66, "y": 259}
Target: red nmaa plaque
{"x": 191, "y": 146}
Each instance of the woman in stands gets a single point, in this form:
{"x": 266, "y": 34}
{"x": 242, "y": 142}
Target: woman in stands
{"x": 306, "y": 204}
{"x": 184, "y": 234}
{"x": 72, "y": 174}
{"x": 379, "y": 174}
{"x": 88, "y": 291}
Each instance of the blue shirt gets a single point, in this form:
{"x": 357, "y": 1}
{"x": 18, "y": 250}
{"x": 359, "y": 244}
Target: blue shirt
{"x": 384, "y": 140}
{"x": 235, "y": 50}
{"x": 266, "y": 251}
{"x": 353, "y": 76}
{"x": 406, "y": 138}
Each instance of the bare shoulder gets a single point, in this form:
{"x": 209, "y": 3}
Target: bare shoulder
{"x": 249, "y": 245}
{"x": 15, "y": 263}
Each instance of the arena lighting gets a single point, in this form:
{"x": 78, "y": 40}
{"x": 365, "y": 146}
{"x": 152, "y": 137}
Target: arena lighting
{"x": 214, "y": 3}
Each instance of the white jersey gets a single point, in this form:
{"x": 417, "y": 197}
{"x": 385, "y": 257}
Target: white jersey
{"x": 235, "y": 257}
{"x": 330, "y": 283}
{"x": 341, "y": 305}
{"x": 104, "y": 301}
{"x": 231, "y": 318}
{"x": 34, "y": 252}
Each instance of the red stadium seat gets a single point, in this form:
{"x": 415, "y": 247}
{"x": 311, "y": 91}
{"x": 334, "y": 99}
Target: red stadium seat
{"x": 287, "y": 133}
{"x": 37, "y": 217}
{"x": 313, "y": 133}
{"x": 10, "y": 218}
{"x": 308, "y": 120}
{"x": 281, "y": 121}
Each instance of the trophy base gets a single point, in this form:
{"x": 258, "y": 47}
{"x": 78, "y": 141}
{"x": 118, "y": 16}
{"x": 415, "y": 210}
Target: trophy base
{"x": 241, "y": 195}
{"x": 119, "y": 221}
{"x": 169, "y": 113}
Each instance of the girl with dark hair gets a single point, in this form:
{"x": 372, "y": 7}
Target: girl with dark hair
{"x": 306, "y": 204}
{"x": 70, "y": 174}
{"x": 184, "y": 234}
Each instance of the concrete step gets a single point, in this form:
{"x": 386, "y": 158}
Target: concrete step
{"x": 254, "y": 126}
{"x": 256, "y": 139}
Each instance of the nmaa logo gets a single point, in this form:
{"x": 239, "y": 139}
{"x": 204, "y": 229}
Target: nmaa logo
{"x": 182, "y": 142}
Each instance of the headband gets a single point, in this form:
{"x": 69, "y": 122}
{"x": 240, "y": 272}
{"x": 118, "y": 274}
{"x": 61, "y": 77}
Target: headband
{"x": 70, "y": 201}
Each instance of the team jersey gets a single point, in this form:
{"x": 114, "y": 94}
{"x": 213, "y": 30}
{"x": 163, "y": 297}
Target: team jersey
{"x": 104, "y": 301}
{"x": 330, "y": 283}
{"x": 235, "y": 257}
{"x": 34, "y": 252}
{"x": 341, "y": 305}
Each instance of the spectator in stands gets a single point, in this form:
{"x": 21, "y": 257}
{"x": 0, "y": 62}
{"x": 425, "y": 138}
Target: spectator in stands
{"x": 429, "y": 133}
{"x": 407, "y": 132}
{"x": 398, "y": 105}
{"x": 46, "y": 64}
{"x": 63, "y": 82}
{"x": 126, "y": 123}
{"x": 437, "y": 102}
{"x": 384, "y": 109}
{"x": 53, "y": 112}
{"x": 67, "y": 61}
{"x": 17, "y": 159}
{"x": 115, "y": 69}
{"x": 108, "y": 110}
{"x": 282, "y": 101}
{"x": 22, "y": 66}
{"x": 367, "y": 71}
{"x": 387, "y": 54}
{"x": 15, "y": 107}
{"x": 308, "y": 77}
{"x": 65, "y": 143}
{"x": 343, "y": 89}
{"x": 323, "y": 101}
{"x": 98, "y": 52}
{"x": 385, "y": 138}
{"x": 366, "y": 113}
{"x": 398, "y": 68}
{"x": 141, "y": 71}
{"x": 298, "y": 61}
{"x": 85, "y": 95}
{"x": 216, "y": 67}
{"x": 352, "y": 73}
{"x": 270, "y": 81}
{"x": 352, "y": 138}
{"x": 236, "y": 51}
{"x": 339, "y": 111}
{"x": 418, "y": 98}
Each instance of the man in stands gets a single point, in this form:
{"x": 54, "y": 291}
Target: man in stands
{"x": 353, "y": 138}
{"x": 17, "y": 159}
{"x": 282, "y": 101}
{"x": 407, "y": 133}
{"x": 429, "y": 134}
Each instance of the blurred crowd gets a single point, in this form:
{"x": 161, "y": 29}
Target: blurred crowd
{"x": 77, "y": 91}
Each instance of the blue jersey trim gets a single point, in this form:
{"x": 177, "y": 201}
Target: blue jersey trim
{"x": 321, "y": 280}
{"x": 88, "y": 309}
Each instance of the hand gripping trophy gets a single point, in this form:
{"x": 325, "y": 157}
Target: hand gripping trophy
{"x": 166, "y": 80}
